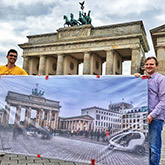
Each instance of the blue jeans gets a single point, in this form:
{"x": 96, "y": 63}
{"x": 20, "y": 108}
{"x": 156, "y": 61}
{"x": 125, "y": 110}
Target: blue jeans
{"x": 155, "y": 141}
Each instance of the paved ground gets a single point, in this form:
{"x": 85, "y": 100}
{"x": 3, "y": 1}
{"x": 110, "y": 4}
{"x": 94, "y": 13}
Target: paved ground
{"x": 69, "y": 149}
{"x": 11, "y": 159}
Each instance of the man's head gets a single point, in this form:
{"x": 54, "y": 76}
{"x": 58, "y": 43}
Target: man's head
{"x": 151, "y": 65}
{"x": 12, "y": 56}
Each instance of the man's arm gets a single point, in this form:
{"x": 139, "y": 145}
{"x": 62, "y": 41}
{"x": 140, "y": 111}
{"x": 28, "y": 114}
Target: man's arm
{"x": 161, "y": 95}
{"x": 149, "y": 117}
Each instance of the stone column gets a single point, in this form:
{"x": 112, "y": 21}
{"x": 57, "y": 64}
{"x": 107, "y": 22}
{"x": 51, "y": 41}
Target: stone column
{"x": 7, "y": 108}
{"x": 135, "y": 60}
{"x": 26, "y": 64}
{"x": 39, "y": 117}
{"x": 42, "y": 65}
{"x": 48, "y": 118}
{"x": 79, "y": 125}
{"x": 60, "y": 64}
{"x": 27, "y": 120}
{"x": 142, "y": 64}
{"x": 88, "y": 125}
{"x": 92, "y": 125}
{"x": 53, "y": 120}
{"x": 45, "y": 119}
{"x": 69, "y": 125}
{"x": 73, "y": 126}
{"x": 57, "y": 116}
{"x": 66, "y": 125}
{"x": 109, "y": 62}
{"x": 86, "y": 67}
{"x": 161, "y": 59}
{"x": 85, "y": 125}
{"x": 82, "y": 126}
{"x": 63, "y": 124}
{"x": 76, "y": 125}
{"x": 18, "y": 115}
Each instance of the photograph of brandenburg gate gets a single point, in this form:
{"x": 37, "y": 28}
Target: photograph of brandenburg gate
{"x": 47, "y": 113}
{"x": 49, "y": 108}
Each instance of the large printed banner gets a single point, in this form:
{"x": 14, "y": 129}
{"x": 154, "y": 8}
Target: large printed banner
{"x": 75, "y": 118}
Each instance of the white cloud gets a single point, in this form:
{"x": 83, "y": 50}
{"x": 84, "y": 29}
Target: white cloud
{"x": 15, "y": 3}
{"x": 161, "y": 17}
{"x": 29, "y": 17}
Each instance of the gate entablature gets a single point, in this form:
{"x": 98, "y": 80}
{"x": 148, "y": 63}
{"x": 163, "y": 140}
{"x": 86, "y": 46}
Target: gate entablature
{"x": 32, "y": 101}
{"x": 49, "y": 108}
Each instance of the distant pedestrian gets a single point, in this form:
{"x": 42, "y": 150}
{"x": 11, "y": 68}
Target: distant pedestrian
{"x": 98, "y": 135}
{"x": 103, "y": 135}
{"x": 107, "y": 135}
{"x": 14, "y": 133}
{"x": 72, "y": 132}
{"x": 91, "y": 134}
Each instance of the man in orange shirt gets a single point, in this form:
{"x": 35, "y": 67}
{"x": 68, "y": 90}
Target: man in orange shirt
{"x": 11, "y": 68}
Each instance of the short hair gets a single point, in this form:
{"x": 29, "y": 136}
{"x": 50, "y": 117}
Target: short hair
{"x": 150, "y": 58}
{"x": 12, "y": 51}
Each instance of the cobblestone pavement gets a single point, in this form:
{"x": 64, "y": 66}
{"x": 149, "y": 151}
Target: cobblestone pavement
{"x": 65, "y": 149}
{"x": 12, "y": 159}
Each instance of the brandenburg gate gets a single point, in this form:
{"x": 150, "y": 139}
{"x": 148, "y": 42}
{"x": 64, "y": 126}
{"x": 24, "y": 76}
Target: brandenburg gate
{"x": 47, "y": 110}
{"x": 62, "y": 52}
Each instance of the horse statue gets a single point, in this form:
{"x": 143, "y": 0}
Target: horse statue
{"x": 67, "y": 22}
{"x": 89, "y": 20}
{"x": 82, "y": 19}
{"x": 73, "y": 21}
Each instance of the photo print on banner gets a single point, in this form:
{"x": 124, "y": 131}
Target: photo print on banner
{"x": 75, "y": 118}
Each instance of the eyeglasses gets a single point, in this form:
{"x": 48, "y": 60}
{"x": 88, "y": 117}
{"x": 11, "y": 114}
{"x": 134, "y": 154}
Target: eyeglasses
{"x": 11, "y": 55}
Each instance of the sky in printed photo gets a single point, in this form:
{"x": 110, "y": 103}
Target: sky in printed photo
{"x": 77, "y": 92}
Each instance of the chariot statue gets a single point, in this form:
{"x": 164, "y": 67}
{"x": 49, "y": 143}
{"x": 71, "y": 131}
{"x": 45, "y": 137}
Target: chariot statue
{"x": 82, "y": 20}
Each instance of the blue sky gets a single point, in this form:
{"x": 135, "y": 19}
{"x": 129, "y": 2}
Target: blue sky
{"x": 77, "y": 92}
{"x": 20, "y": 18}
